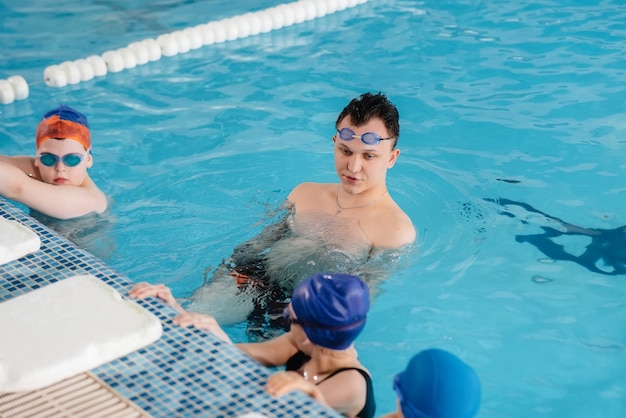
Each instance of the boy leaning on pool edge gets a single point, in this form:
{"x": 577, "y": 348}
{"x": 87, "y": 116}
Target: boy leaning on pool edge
{"x": 55, "y": 182}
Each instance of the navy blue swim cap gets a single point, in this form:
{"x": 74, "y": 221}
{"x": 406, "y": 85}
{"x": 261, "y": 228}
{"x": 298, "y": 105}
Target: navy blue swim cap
{"x": 64, "y": 122}
{"x": 331, "y": 308}
{"x": 64, "y": 112}
{"x": 437, "y": 384}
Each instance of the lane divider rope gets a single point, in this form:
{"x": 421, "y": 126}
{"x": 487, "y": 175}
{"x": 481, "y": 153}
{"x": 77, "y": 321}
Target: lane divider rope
{"x": 174, "y": 43}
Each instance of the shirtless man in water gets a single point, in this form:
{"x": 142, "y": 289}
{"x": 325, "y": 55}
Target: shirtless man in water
{"x": 55, "y": 182}
{"x": 365, "y": 141}
{"x": 353, "y": 226}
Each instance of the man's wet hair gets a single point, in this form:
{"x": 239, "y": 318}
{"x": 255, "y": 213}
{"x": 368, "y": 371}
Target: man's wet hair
{"x": 367, "y": 106}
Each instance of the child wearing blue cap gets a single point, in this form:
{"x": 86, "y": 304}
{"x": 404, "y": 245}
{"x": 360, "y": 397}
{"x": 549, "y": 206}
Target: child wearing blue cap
{"x": 436, "y": 384}
{"x": 63, "y": 155}
{"x": 326, "y": 314}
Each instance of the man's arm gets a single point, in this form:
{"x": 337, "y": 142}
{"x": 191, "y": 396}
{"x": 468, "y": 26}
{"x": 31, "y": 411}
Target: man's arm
{"x": 61, "y": 202}
{"x": 251, "y": 252}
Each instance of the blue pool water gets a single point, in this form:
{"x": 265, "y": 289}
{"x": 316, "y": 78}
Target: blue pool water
{"x": 498, "y": 100}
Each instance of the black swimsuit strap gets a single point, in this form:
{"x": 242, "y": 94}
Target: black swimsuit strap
{"x": 363, "y": 373}
{"x": 369, "y": 409}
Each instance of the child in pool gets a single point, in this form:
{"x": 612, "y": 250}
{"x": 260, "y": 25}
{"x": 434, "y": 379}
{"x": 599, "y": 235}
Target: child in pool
{"x": 326, "y": 314}
{"x": 436, "y": 384}
{"x": 55, "y": 182}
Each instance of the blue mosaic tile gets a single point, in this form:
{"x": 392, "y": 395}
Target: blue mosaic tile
{"x": 187, "y": 372}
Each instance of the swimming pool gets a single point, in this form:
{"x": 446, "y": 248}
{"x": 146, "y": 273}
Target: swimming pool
{"x": 508, "y": 100}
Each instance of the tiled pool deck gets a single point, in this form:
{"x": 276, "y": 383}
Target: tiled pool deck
{"x": 187, "y": 372}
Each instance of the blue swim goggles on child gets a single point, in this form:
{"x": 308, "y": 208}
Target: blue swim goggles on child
{"x": 70, "y": 160}
{"x": 369, "y": 138}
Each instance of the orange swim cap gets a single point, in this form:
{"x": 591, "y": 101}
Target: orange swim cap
{"x": 64, "y": 122}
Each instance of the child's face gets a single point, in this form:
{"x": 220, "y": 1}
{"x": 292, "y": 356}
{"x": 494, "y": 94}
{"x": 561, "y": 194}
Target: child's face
{"x": 60, "y": 173}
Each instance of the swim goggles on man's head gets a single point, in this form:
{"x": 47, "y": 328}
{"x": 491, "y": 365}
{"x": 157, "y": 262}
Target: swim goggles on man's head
{"x": 369, "y": 138}
{"x": 70, "y": 160}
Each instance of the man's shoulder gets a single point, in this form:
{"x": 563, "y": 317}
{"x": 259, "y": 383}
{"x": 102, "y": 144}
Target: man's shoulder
{"x": 308, "y": 188}
{"x": 310, "y": 185}
{"x": 395, "y": 229}
{"x": 405, "y": 232}
{"x": 313, "y": 196}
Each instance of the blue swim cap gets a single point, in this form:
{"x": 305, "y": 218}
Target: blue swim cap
{"x": 64, "y": 112}
{"x": 331, "y": 308}
{"x": 437, "y": 384}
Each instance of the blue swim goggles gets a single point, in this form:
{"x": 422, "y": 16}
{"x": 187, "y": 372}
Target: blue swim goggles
{"x": 369, "y": 138}
{"x": 70, "y": 160}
